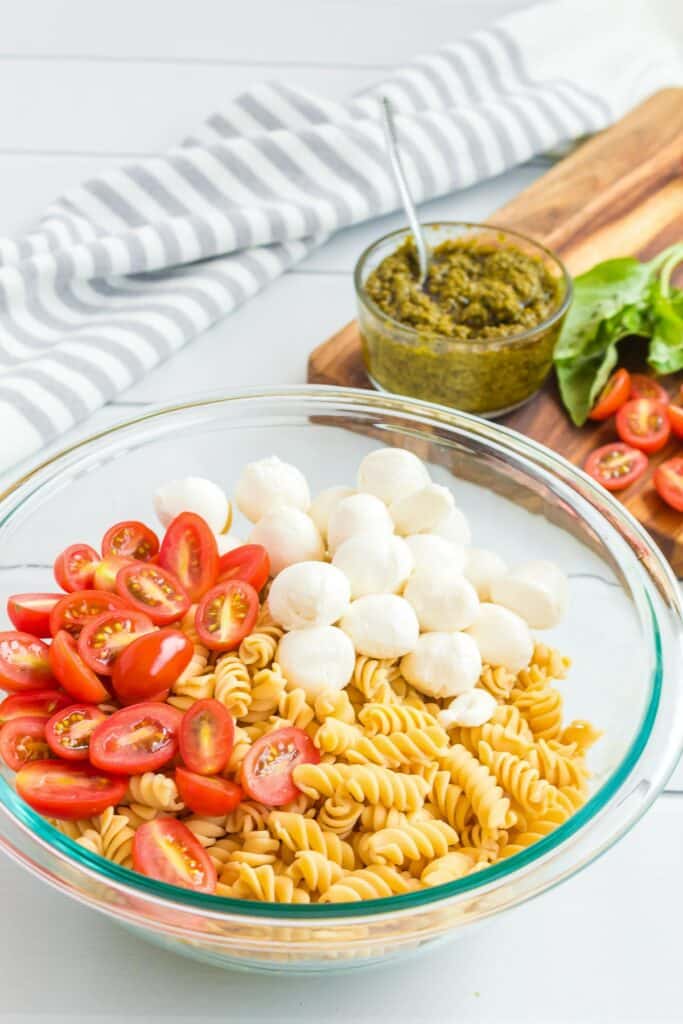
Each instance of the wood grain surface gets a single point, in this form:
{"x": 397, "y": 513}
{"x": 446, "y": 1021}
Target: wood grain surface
{"x": 621, "y": 193}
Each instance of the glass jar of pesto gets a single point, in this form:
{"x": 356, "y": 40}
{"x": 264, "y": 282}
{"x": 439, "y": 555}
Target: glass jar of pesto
{"x": 479, "y": 334}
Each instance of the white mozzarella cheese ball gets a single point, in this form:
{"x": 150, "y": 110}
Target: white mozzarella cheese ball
{"x": 482, "y": 567}
{"x": 503, "y": 638}
{"x": 454, "y": 527}
{"x": 536, "y": 590}
{"x": 227, "y": 542}
{"x": 359, "y": 513}
{"x": 433, "y": 553}
{"x": 269, "y": 484}
{"x": 309, "y": 594}
{"x": 391, "y": 474}
{"x": 289, "y": 536}
{"x": 443, "y": 601}
{"x": 422, "y": 510}
{"x": 316, "y": 659}
{"x": 193, "y": 494}
{"x": 323, "y": 503}
{"x": 443, "y": 664}
{"x": 381, "y": 626}
{"x": 469, "y": 709}
{"x": 374, "y": 564}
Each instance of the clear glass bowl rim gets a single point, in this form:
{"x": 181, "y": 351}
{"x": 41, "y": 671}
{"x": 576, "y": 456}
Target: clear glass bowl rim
{"x": 469, "y": 343}
{"x": 40, "y": 831}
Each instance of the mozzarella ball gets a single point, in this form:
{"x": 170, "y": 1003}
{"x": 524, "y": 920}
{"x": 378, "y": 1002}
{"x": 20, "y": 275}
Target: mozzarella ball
{"x": 359, "y": 513}
{"x": 289, "y": 536}
{"x": 433, "y": 553}
{"x": 536, "y": 590}
{"x": 193, "y": 494}
{"x": 374, "y": 564}
{"x": 443, "y": 601}
{"x": 420, "y": 511}
{"x": 443, "y": 664}
{"x": 316, "y": 659}
{"x": 502, "y": 637}
{"x": 469, "y": 709}
{"x": 227, "y": 542}
{"x": 454, "y": 527}
{"x": 391, "y": 474}
{"x": 381, "y": 626}
{"x": 482, "y": 567}
{"x": 322, "y": 505}
{"x": 309, "y": 594}
{"x": 269, "y": 484}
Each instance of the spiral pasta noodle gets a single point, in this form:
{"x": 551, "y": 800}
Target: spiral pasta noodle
{"x": 388, "y": 718}
{"x": 373, "y": 784}
{"x": 518, "y": 777}
{"x": 233, "y": 684}
{"x": 369, "y": 884}
{"x": 418, "y": 746}
{"x": 155, "y": 790}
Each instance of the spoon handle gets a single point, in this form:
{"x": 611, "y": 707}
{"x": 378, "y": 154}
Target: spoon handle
{"x": 402, "y": 185}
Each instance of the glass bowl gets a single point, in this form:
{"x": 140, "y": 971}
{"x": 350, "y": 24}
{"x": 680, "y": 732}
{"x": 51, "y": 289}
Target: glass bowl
{"x": 623, "y": 633}
{"x": 484, "y": 376}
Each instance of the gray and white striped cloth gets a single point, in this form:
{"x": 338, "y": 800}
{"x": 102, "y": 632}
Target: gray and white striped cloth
{"x": 130, "y": 266}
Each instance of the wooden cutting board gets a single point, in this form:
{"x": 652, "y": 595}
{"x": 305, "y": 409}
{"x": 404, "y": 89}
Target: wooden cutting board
{"x": 621, "y": 193}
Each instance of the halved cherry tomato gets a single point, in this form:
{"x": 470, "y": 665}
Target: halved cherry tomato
{"x": 206, "y": 737}
{"x": 644, "y": 424}
{"x": 30, "y": 613}
{"x": 643, "y": 386}
{"x": 74, "y": 610}
{"x": 675, "y": 419}
{"x": 268, "y": 765}
{"x": 165, "y": 849}
{"x": 153, "y": 590}
{"x": 130, "y": 539}
{"x": 77, "y": 678}
{"x": 210, "y": 796}
{"x": 669, "y": 482}
{"x": 75, "y": 566}
{"x": 616, "y": 465}
{"x": 107, "y": 570}
{"x": 68, "y": 791}
{"x": 38, "y": 704}
{"x": 103, "y": 639}
{"x": 24, "y": 663}
{"x": 226, "y": 614}
{"x": 249, "y": 563}
{"x": 23, "y": 740}
{"x": 150, "y": 665}
{"x": 613, "y": 395}
{"x": 189, "y": 551}
{"x": 137, "y": 739}
{"x": 68, "y": 732}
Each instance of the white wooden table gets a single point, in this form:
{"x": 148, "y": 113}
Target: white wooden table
{"x": 87, "y": 84}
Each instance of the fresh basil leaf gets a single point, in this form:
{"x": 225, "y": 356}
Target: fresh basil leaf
{"x": 666, "y": 345}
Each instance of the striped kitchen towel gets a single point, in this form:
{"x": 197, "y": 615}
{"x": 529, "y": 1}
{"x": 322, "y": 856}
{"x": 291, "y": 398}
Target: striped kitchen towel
{"x": 133, "y": 264}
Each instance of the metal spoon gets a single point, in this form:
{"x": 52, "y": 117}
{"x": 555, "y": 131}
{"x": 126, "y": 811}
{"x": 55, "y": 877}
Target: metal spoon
{"x": 423, "y": 252}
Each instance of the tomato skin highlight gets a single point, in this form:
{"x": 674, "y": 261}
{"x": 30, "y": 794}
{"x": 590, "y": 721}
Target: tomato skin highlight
{"x": 136, "y": 739}
{"x": 130, "y": 539}
{"x": 226, "y": 614}
{"x": 249, "y": 563}
{"x": 166, "y": 850}
{"x": 676, "y": 419}
{"x": 77, "y": 678}
{"x": 207, "y": 736}
{"x": 616, "y": 466}
{"x": 24, "y": 663}
{"x": 205, "y": 795}
{"x": 189, "y": 551}
{"x": 103, "y": 638}
{"x": 30, "y": 613}
{"x": 643, "y": 386}
{"x": 75, "y": 566}
{"x": 74, "y": 610}
{"x": 23, "y": 740}
{"x": 643, "y": 424}
{"x": 150, "y": 665}
{"x": 284, "y": 749}
{"x": 151, "y": 589}
{"x": 615, "y": 392}
{"x": 68, "y": 791}
{"x": 668, "y": 480}
{"x": 36, "y": 704}
{"x": 68, "y": 731}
